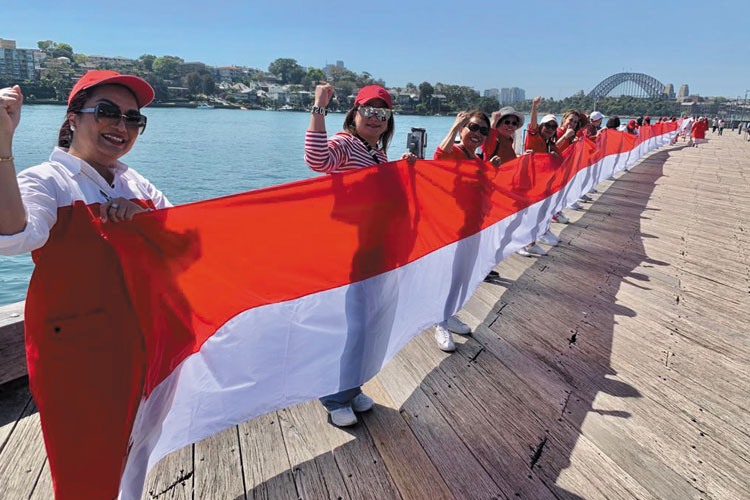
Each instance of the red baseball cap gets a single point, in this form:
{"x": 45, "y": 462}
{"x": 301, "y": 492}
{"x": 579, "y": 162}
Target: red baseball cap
{"x": 371, "y": 92}
{"x": 144, "y": 94}
{"x": 647, "y": 118}
{"x": 632, "y": 124}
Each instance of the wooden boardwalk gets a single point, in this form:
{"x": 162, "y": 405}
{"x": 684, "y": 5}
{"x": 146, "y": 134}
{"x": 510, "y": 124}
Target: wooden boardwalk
{"x": 617, "y": 367}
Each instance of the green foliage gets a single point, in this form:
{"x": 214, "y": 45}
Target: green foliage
{"x": 488, "y": 104}
{"x": 44, "y": 45}
{"x": 146, "y": 62}
{"x": 312, "y": 78}
{"x": 53, "y": 49}
{"x": 166, "y": 67}
{"x": 287, "y": 70}
{"x": 425, "y": 92}
{"x": 193, "y": 82}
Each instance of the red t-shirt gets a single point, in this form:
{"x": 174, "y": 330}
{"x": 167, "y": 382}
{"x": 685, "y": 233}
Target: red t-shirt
{"x": 498, "y": 145}
{"x": 565, "y": 145}
{"x": 457, "y": 153}
{"x": 699, "y": 130}
{"x": 535, "y": 142}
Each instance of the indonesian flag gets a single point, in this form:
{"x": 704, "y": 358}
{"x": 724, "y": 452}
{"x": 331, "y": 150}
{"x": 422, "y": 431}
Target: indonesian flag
{"x": 205, "y": 315}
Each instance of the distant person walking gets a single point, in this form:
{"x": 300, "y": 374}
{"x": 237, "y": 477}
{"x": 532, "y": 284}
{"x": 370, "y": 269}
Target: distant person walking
{"x": 714, "y": 125}
{"x": 722, "y": 123}
{"x": 699, "y": 131}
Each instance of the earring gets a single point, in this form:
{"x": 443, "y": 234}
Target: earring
{"x": 72, "y": 128}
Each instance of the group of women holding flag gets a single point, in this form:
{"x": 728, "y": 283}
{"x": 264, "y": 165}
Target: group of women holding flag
{"x": 84, "y": 174}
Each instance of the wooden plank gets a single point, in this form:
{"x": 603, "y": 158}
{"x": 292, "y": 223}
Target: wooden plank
{"x": 462, "y": 471}
{"x": 266, "y": 466}
{"x": 44, "y": 489}
{"x": 15, "y": 397}
{"x": 218, "y": 469}
{"x": 23, "y": 456}
{"x": 409, "y": 466}
{"x": 171, "y": 478}
{"x": 316, "y": 473}
{"x": 12, "y": 350}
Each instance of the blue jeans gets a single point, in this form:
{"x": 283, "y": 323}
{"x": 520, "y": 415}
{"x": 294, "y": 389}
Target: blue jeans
{"x": 340, "y": 399}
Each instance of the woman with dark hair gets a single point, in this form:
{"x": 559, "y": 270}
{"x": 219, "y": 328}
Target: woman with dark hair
{"x": 613, "y": 122}
{"x": 472, "y": 127}
{"x": 368, "y": 128}
{"x": 78, "y": 325}
{"x": 498, "y": 148}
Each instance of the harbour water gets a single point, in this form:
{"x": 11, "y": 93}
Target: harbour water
{"x": 193, "y": 154}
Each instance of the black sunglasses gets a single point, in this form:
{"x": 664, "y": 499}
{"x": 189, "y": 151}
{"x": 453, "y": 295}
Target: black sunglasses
{"x": 109, "y": 112}
{"x": 475, "y": 127}
{"x": 513, "y": 123}
{"x": 550, "y": 125}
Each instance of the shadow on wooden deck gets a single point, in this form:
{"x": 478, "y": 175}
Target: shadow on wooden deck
{"x": 500, "y": 417}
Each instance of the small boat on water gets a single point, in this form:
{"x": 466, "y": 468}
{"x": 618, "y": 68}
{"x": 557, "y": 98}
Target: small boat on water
{"x": 203, "y": 105}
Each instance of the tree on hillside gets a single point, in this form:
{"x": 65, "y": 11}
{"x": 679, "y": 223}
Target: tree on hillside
{"x": 287, "y": 70}
{"x": 146, "y": 62}
{"x": 166, "y": 67}
{"x": 193, "y": 82}
{"x": 425, "y": 92}
{"x": 208, "y": 83}
{"x": 338, "y": 74}
{"x": 410, "y": 87}
{"x": 44, "y": 45}
{"x": 313, "y": 77}
{"x": 488, "y": 104}
{"x": 62, "y": 50}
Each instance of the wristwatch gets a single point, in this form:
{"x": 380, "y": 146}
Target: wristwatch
{"x": 318, "y": 110}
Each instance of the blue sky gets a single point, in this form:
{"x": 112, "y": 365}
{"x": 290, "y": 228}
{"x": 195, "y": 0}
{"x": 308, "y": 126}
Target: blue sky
{"x": 550, "y": 48}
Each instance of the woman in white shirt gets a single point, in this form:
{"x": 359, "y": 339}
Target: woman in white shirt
{"x": 80, "y": 329}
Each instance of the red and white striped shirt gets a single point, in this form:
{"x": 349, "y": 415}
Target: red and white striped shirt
{"x": 341, "y": 152}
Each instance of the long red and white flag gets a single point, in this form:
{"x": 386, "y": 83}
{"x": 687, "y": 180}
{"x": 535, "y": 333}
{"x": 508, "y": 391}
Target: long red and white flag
{"x": 258, "y": 301}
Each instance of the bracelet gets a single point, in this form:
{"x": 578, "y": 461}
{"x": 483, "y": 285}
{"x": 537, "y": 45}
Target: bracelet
{"x": 319, "y": 110}
{"x": 9, "y": 158}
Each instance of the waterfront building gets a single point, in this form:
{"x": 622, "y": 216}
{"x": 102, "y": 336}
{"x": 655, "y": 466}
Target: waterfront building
{"x": 227, "y": 73}
{"x": 494, "y": 93}
{"x": 16, "y": 64}
{"x": 683, "y": 92}
{"x": 511, "y": 95}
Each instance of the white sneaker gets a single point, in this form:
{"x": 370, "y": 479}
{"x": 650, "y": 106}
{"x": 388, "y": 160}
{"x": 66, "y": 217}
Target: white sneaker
{"x": 549, "y": 238}
{"x": 455, "y": 325}
{"x": 524, "y": 252}
{"x": 343, "y": 417}
{"x": 586, "y": 198}
{"x": 593, "y": 191}
{"x": 576, "y": 206}
{"x": 536, "y": 250}
{"x": 444, "y": 339}
{"x": 560, "y": 218}
{"x": 362, "y": 402}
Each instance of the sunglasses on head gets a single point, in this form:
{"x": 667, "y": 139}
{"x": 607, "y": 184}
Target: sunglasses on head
{"x": 475, "y": 127}
{"x": 512, "y": 123}
{"x": 111, "y": 113}
{"x": 382, "y": 114}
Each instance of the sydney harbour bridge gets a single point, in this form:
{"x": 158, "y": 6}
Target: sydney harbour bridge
{"x": 632, "y": 84}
